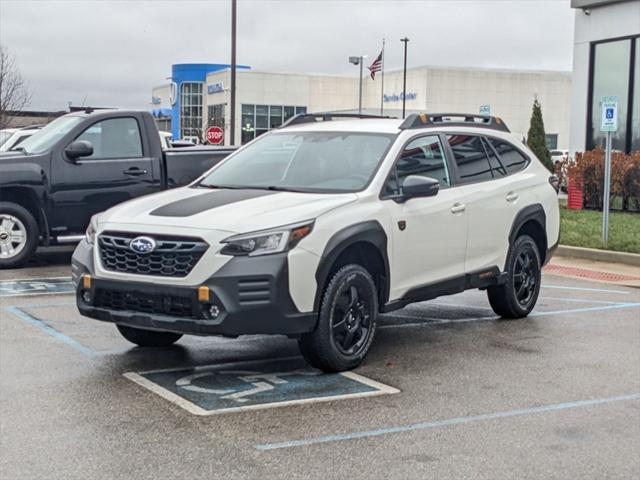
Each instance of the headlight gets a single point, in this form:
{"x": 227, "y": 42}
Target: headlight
{"x": 267, "y": 241}
{"x": 90, "y": 234}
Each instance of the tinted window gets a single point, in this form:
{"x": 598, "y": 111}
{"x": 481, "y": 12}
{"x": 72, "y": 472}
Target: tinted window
{"x": 498, "y": 169}
{"x": 471, "y": 158}
{"x": 423, "y": 156}
{"x": 511, "y": 157}
{"x": 114, "y": 138}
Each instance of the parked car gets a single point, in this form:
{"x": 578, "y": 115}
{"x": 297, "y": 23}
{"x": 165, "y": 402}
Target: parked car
{"x": 80, "y": 164}
{"x": 314, "y": 229}
{"x": 559, "y": 156}
{"x": 18, "y": 136}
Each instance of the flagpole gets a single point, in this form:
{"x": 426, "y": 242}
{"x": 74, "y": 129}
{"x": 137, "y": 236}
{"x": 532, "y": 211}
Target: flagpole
{"x": 382, "y": 78}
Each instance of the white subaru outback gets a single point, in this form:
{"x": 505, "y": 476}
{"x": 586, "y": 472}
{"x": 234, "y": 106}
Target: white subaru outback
{"x": 314, "y": 229}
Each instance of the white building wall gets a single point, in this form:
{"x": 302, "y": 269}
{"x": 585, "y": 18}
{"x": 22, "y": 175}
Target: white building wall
{"x": 601, "y": 23}
{"x": 509, "y": 93}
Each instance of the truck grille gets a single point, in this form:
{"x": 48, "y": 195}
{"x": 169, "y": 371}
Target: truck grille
{"x": 172, "y": 256}
{"x": 145, "y": 303}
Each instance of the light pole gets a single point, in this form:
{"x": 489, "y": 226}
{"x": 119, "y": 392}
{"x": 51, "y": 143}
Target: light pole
{"x": 404, "y": 40}
{"x": 359, "y": 61}
{"x": 232, "y": 100}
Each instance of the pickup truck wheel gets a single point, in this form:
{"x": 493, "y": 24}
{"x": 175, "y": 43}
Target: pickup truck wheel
{"x": 148, "y": 338}
{"x": 346, "y": 322}
{"x": 18, "y": 235}
{"x": 518, "y": 295}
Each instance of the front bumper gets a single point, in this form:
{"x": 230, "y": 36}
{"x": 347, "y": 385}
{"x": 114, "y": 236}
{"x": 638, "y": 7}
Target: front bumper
{"x": 250, "y": 295}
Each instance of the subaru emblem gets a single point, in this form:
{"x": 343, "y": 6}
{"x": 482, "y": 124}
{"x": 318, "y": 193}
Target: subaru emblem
{"x": 143, "y": 245}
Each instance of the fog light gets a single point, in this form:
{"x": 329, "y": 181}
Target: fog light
{"x": 214, "y": 311}
{"x": 86, "y": 296}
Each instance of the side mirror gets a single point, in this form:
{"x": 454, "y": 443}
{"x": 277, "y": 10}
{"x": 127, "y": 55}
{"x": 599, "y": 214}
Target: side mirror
{"x": 79, "y": 148}
{"x": 418, "y": 186}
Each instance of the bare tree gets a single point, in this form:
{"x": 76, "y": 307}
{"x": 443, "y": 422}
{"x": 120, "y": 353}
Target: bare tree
{"x": 14, "y": 94}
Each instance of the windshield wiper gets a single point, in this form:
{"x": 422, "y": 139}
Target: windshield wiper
{"x": 19, "y": 149}
{"x": 221, "y": 187}
{"x": 282, "y": 189}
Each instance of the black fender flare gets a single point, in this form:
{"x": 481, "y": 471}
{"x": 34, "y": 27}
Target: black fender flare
{"x": 370, "y": 232}
{"x": 533, "y": 212}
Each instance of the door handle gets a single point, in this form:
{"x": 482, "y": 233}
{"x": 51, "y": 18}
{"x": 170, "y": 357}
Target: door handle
{"x": 512, "y": 197}
{"x": 135, "y": 171}
{"x": 458, "y": 208}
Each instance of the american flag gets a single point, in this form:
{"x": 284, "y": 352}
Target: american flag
{"x": 376, "y": 66}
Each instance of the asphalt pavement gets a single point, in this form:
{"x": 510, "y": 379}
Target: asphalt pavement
{"x": 447, "y": 391}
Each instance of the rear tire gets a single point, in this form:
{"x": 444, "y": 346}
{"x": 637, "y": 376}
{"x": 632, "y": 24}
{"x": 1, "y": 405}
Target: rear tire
{"x": 519, "y": 294}
{"x": 346, "y": 322}
{"x": 148, "y": 338}
{"x": 19, "y": 235}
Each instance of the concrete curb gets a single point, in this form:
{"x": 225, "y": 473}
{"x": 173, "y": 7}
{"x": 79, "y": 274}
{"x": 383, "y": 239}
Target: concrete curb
{"x": 597, "y": 255}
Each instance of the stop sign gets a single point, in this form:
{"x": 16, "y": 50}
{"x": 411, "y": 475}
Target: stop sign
{"x": 215, "y": 135}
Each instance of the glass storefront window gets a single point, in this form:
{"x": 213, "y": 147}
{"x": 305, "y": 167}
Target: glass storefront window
{"x": 610, "y": 77}
{"x": 259, "y": 119}
{"x": 191, "y": 110}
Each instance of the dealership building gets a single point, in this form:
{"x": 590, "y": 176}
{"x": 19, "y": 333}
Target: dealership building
{"x": 606, "y": 63}
{"x": 198, "y": 97}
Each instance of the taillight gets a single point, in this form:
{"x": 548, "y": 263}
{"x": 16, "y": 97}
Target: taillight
{"x": 554, "y": 181}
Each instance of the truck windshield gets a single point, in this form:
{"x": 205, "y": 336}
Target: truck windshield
{"x": 44, "y": 139}
{"x": 304, "y": 161}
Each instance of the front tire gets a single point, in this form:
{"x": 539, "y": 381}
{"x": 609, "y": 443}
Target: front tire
{"x": 346, "y": 322}
{"x": 19, "y": 235}
{"x": 148, "y": 338}
{"x": 519, "y": 294}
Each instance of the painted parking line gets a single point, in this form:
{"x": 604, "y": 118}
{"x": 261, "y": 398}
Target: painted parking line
{"x": 242, "y": 386}
{"x": 585, "y": 289}
{"x": 554, "y": 407}
{"x": 432, "y": 321}
{"x": 36, "y": 286}
{"x": 36, "y": 322}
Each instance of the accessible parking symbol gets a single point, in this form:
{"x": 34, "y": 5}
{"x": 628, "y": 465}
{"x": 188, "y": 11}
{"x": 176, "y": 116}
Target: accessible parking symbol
{"x": 254, "y": 385}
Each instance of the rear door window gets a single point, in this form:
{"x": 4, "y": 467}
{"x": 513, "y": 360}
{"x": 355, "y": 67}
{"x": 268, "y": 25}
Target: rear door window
{"x": 471, "y": 158}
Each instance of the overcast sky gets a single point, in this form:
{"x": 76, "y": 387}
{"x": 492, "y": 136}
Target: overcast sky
{"x": 111, "y": 53}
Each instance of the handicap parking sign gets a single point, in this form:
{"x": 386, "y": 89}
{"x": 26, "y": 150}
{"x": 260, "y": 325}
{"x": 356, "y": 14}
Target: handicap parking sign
{"x": 609, "y": 121}
{"x": 253, "y": 385}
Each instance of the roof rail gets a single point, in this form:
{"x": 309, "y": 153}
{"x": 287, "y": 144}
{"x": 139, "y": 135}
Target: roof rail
{"x": 325, "y": 117}
{"x": 422, "y": 120}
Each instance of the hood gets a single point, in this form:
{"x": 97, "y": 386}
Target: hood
{"x": 12, "y": 155}
{"x": 230, "y": 210}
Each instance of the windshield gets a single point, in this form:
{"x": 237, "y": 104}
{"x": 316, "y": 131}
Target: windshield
{"x": 44, "y": 139}
{"x": 304, "y": 161}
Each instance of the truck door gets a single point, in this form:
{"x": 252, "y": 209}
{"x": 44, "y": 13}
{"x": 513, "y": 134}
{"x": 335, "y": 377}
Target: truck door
{"x": 119, "y": 169}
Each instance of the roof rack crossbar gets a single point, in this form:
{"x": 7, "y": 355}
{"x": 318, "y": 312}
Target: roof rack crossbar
{"x": 424, "y": 120}
{"x": 302, "y": 118}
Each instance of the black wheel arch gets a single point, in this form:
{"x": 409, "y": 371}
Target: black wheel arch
{"x": 364, "y": 243}
{"x": 532, "y": 221}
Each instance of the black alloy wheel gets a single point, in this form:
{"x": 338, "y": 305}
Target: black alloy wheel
{"x": 517, "y": 296}
{"x": 347, "y": 321}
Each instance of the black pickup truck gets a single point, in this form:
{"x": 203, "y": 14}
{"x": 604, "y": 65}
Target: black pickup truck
{"x": 80, "y": 164}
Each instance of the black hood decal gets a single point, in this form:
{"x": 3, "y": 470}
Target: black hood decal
{"x": 190, "y": 206}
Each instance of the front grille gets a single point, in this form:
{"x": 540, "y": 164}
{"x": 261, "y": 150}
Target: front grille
{"x": 172, "y": 257}
{"x": 144, "y": 303}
